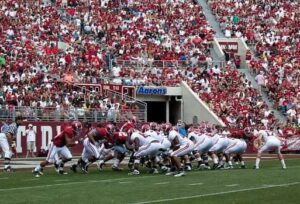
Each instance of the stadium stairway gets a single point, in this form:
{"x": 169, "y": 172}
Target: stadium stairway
{"x": 219, "y": 34}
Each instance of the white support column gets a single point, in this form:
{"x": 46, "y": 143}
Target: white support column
{"x": 168, "y": 110}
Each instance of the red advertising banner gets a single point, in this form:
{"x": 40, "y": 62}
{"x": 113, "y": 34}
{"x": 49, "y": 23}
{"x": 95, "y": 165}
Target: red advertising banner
{"x": 291, "y": 144}
{"x": 45, "y": 131}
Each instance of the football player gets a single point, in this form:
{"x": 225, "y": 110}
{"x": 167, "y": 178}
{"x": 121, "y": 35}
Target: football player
{"x": 91, "y": 144}
{"x": 179, "y": 147}
{"x": 59, "y": 146}
{"x": 142, "y": 146}
{"x": 202, "y": 143}
{"x": 117, "y": 151}
{"x": 268, "y": 141}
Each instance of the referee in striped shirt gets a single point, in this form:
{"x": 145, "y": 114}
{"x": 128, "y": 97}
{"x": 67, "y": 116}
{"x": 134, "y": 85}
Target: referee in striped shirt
{"x": 7, "y": 136}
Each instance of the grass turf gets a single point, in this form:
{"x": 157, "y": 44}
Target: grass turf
{"x": 270, "y": 184}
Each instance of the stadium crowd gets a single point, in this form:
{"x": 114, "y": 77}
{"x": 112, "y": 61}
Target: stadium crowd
{"x": 47, "y": 46}
{"x": 273, "y": 28}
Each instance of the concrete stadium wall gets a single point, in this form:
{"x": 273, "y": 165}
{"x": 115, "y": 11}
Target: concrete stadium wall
{"x": 242, "y": 47}
{"x": 193, "y": 107}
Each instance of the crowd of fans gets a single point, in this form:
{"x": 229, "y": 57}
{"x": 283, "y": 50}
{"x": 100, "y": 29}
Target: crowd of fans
{"x": 273, "y": 27}
{"x": 45, "y": 47}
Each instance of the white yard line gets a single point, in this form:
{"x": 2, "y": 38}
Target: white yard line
{"x": 232, "y": 185}
{"x": 195, "y": 184}
{"x": 125, "y": 182}
{"x": 217, "y": 193}
{"x": 161, "y": 183}
{"x": 72, "y": 183}
{"x": 3, "y": 178}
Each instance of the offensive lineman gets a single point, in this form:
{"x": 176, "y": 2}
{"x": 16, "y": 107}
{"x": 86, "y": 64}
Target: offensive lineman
{"x": 59, "y": 146}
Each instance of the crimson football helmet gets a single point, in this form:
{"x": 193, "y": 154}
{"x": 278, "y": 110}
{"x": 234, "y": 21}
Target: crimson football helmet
{"x": 145, "y": 127}
{"x": 110, "y": 128}
{"x": 77, "y": 126}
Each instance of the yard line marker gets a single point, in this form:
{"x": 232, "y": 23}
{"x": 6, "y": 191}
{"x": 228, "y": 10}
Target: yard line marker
{"x": 217, "y": 193}
{"x": 125, "y": 182}
{"x": 3, "y": 178}
{"x": 162, "y": 183}
{"x": 71, "y": 183}
{"x": 195, "y": 184}
{"x": 232, "y": 185}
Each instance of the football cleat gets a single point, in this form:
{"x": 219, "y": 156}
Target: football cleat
{"x": 62, "y": 172}
{"x": 188, "y": 168}
{"x": 220, "y": 166}
{"x": 134, "y": 172}
{"x": 179, "y": 174}
{"x": 165, "y": 169}
{"x": 100, "y": 165}
{"x": 255, "y": 167}
{"x": 74, "y": 168}
{"x": 37, "y": 173}
{"x": 171, "y": 173}
{"x": 203, "y": 167}
{"x": 85, "y": 169}
{"x": 56, "y": 167}
{"x": 8, "y": 169}
{"x": 214, "y": 166}
{"x": 116, "y": 168}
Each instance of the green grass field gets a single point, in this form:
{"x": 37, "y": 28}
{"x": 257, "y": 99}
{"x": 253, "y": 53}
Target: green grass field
{"x": 270, "y": 184}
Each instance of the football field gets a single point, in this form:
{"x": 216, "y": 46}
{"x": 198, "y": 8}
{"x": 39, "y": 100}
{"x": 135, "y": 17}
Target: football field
{"x": 270, "y": 184}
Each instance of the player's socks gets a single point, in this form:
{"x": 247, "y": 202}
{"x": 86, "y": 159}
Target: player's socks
{"x": 283, "y": 164}
{"x": 257, "y": 163}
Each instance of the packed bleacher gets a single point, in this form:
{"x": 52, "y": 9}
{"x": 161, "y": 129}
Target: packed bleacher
{"x": 272, "y": 27}
{"x": 46, "y": 47}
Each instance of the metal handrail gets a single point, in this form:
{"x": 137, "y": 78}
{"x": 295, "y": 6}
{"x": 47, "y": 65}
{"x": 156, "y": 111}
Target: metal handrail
{"x": 70, "y": 113}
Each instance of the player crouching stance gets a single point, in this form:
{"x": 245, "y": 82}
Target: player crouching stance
{"x": 117, "y": 152}
{"x": 141, "y": 146}
{"x": 236, "y": 147}
{"x": 179, "y": 147}
{"x": 59, "y": 146}
{"x": 270, "y": 142}
{"x": 91, "y": 144}
{"x": 202, "y": 143}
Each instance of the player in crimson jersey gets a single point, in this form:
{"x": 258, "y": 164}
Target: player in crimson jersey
{"x": 118, "y": 139}
{"x": 91, "y": 144}
{"x": 59, "y": 146}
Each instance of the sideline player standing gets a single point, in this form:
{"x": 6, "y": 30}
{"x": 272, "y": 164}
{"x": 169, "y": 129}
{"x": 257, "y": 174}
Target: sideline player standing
{"x": 270, "y": 142}
{"x": 59, "y": 146}
{"x": 7, "y": 136}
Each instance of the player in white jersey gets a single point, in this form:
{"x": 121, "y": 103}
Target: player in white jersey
{"x": 142, "y": 146}
{"x": 166, "y": 144}
{"x": 235, "y": 147}
{"x": 270, "y": 142}
{"x": 220, "y": 143}
{"x": 202, "y": 143}
{"x": 162, "y": 159}
{"x": 7, "y": 136}
{"x": 180, "y": 146}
